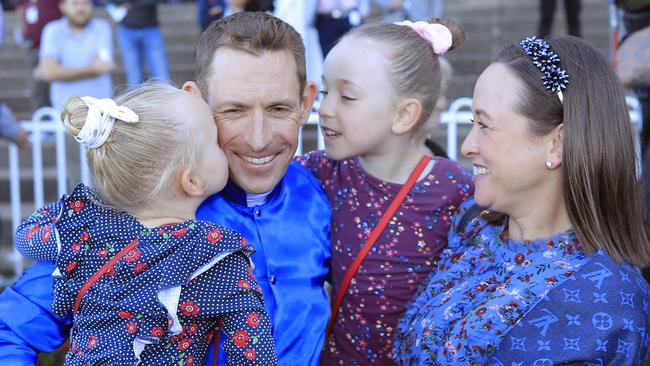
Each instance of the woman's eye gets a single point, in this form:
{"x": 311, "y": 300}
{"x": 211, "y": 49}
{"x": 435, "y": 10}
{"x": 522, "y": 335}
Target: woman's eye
{"x": 480, "y": 124}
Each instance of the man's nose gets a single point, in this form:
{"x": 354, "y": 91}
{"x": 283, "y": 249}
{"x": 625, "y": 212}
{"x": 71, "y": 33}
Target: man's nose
{"x": 258, "y": 131}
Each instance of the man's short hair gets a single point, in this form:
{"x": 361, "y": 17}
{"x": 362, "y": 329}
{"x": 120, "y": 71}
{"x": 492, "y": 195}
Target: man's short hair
{"x": 251, "y": 32}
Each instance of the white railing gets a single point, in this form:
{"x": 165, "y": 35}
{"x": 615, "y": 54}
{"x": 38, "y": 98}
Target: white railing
{"x": 44, "y": 127}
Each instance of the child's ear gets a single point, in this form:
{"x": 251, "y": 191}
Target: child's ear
{"x": 408, "y": 114}
{"x": 191, "y": 184}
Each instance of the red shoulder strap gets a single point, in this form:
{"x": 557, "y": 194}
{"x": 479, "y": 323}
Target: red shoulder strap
{"x": 374, "y": 235}
{"x": 105, "y": 268}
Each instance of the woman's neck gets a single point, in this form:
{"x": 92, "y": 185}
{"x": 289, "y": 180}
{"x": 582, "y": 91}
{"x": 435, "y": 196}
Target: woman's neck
{"x": 542, "y": 219}
{"x": 394, "y": 166}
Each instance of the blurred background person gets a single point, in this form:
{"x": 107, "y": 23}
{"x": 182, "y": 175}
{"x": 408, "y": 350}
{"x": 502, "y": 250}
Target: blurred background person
{"x": 301, "y": 14}
{"x": 632, "y": 59}
{"x": 209, "y": 11}
{"x": 334, "y": 18}
{"x": 140, "y": 39}
{"x": 547, "y": 13}
{"x": 33, "y": 15}
{"x": 76, "y": 54}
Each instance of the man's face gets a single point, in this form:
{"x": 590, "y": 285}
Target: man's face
{"x": 78, "y": 12}
{"x": 258, "y": 110}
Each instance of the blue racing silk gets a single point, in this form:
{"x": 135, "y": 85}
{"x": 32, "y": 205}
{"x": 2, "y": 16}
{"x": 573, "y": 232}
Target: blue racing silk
{"x": 290, "y": 233}
{"x": 27, "y": 323}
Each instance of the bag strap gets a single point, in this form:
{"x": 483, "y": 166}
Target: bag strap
{"x": 102, "y": 271}
{"x": 374, "y": 235}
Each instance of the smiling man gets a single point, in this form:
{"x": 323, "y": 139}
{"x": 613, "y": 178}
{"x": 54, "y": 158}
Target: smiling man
{"x": 251, "y": 71}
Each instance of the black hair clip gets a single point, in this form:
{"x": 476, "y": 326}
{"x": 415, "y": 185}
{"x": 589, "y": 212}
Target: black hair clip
{"x": 539, "y": 51}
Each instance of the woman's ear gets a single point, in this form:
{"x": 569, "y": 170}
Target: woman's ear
{"x": 554, "y": 154}
{"x": 408, "y": 115}
{"x": 191, "y": 184}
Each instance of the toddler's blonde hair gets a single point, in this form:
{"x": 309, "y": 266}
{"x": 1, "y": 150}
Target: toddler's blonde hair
{"x": 134, "y": 167}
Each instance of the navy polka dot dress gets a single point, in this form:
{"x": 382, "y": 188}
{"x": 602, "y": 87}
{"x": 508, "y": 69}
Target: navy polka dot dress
{"x": 159, "y": 303}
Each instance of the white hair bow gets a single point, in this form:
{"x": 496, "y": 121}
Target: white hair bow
{"x": 100, "y": 120}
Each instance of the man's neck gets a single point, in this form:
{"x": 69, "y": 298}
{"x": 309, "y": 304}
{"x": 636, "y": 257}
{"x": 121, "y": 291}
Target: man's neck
{"x": 256, "y": 199}
{"x": 76, "y": 29}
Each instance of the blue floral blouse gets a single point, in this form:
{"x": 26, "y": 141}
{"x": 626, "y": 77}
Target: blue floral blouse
{"x": 487, "y": 287}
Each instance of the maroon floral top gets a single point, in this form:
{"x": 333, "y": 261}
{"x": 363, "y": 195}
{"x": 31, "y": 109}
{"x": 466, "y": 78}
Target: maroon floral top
{"x": 401, "y": 258}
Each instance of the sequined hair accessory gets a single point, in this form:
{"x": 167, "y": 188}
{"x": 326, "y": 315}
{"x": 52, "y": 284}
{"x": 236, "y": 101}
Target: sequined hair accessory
{"x": 437, "y": 35}
{"x": 101, "y": 117}
{"x": 539, "y": 51}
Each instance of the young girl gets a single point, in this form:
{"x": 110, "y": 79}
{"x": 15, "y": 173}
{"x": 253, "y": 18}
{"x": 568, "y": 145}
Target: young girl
{"x": 381, "y": 83}
{"x": 144, "y": 281}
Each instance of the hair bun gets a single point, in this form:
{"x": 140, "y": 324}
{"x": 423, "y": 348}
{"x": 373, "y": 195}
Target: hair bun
{"x": 457, "y": 32}
{"x": 74, "y": 115}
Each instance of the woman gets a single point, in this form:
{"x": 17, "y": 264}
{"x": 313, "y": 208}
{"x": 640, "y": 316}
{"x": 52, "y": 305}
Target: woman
{"x": 540, "y": 266}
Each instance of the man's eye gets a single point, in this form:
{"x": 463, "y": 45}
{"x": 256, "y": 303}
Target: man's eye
{"x": 280, "y": 109}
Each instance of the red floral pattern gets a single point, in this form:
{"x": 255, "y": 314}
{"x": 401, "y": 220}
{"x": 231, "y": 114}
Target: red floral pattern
{"x": 46, "y": 234}
{"x": 132, "y": 256}
{"x": 184, "y": 344}
{"x": 253, "y": 319}
{"x": 139, "y": 268}
{"x": 31, "y": 232}
{"x": 92, "y": 341}
{"x": 214, "y": 236}
{"x": 189, "y": 308}
{"x": 249, "y": 354}
{"x": 77, "y": 205}
{"x": 240, "y": 339}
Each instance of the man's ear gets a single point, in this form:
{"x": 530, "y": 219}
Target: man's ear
{"x": 192, "y": 87}
{"x": 554, "y": 154}
{"x": 408, "y": 115}
{"x": 308, "y": 98}
{"x": 191, "y": 184}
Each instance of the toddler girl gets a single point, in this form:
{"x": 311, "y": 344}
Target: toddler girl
{"x": 381, "y": 82}
{"x": 145, "y": 282}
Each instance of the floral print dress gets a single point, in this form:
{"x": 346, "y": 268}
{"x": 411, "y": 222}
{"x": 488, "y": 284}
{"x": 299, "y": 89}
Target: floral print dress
{"x": 488, "y": 286}
{"x": 159, "y": 303}
{"x": 399, "y": 261}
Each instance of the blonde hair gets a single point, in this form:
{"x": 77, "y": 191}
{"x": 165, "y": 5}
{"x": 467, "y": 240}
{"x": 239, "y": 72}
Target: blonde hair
{"x": 414, "y": 68}
{"x": 134, "y": 167}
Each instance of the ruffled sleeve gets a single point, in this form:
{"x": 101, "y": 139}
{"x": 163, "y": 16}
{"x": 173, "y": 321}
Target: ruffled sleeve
{"x": 74, "y": 230}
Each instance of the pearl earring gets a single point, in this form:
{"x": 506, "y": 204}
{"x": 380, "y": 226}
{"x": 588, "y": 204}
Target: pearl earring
{"x": 549, "y": 164}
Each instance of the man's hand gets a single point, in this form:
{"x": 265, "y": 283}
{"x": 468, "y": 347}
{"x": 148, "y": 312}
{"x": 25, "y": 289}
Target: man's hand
{"x": 101, "y": 67}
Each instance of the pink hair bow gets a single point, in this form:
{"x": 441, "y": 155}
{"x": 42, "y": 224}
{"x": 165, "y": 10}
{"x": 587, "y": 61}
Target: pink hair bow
{"x": 436, "y": 34}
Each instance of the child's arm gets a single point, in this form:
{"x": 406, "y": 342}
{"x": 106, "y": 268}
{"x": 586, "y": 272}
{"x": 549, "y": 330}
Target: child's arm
{"x": 248, "y": 338}
{"x": 36, "y": 238}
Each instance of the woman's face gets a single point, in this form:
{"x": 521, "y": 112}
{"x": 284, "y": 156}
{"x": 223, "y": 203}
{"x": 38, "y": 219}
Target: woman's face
{"x": 509, "y": 161}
